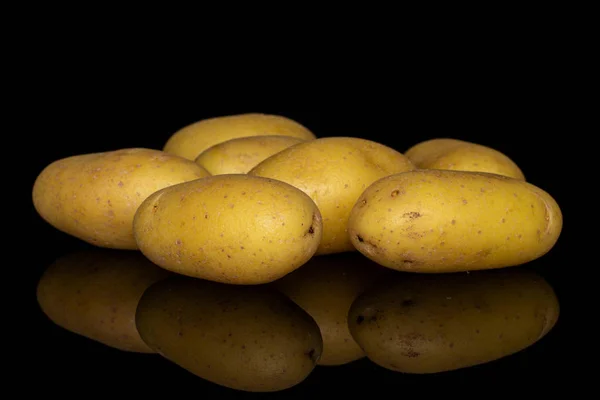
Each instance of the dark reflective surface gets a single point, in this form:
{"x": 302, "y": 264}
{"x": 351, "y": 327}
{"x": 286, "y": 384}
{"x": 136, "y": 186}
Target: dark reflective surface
{"x": 71, "y": 345}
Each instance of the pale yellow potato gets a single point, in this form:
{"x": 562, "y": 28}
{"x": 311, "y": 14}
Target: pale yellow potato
{"x": 426, "y": 323}
{"x": 448, "y": 221}
{"x": 94, "y": 293}
{"x": 325, "y": 287}
{"x": 246, "y": 338}
{"x": 94, "y": 197}
{"x": 232, "y": 228}
{"x": 460, "y": 155}
{"x": 193, "y": 139}
{"x": 333, "y": 171}
{"x": 240, "y": 155}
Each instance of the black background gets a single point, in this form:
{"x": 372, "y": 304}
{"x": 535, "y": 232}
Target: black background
{"x": 94, "y": 106}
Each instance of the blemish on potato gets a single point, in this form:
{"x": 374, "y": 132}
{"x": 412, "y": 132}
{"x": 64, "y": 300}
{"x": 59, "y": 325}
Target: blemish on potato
{"x": 412, "y": 215}
{"x": 453, "y": 222}
{"x": 395, "y": 193}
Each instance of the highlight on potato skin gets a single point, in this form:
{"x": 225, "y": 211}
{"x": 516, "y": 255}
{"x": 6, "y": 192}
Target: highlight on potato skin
{"x": 191, "y": 140}
{"x": 433, "y": 221}
{"x": 248, "y": 338}
{"x": 423, "y": 323}
{"x": 94, "y": 293}
{"x": 94, "y": 197}
{"x": 460, "y": 155}
{"x": 231, "y": 228}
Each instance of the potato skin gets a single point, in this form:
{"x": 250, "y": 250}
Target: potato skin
{"x": 94, "y": 293}
{"x": 230, "y": 228}
{"x": 423, "y": 323}
{"x": 240, "y": 155}
{"x": 460, "y": 155}
{"x": 248, "y": 338}
{"x": 333, "y": 171}
{"x": 325, "y": 287}
{"x": 449, "y": 221}
{"x": 193, "y": 139}
{"x": 94, "y": 197}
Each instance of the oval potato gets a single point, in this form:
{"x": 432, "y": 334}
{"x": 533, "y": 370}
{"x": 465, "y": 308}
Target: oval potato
{"x": 435, "y": 323}
{"x": 231, "y": 228}
{"x": 240, "y": 155}
{"x": 333, "y": 171}
{"x": 242, "y": 337}
{"x": 325, "y": 287}
{"x": 94, "y": 293}
{"x": 448, "y": 221}
{"x": 460, "y": 155}
{"x": 94, "y": 197}
{"x": 193, "y": 139}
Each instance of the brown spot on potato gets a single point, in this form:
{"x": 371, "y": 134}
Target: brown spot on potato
{"x": 312, "y": 354}
{"x": 453, "y": 222}
{"x": 464, "y": 201}
{"x": 155, "y": 208}
{"x": 411, "y": 353}
{"x": 178, "y": 242}
{"x": 360, "y": 238}
{"x": 395, "y": 193}
{"x": 363, "y": 203}
{"x": 412, "y": 215}
{"x": 120, "y": 184}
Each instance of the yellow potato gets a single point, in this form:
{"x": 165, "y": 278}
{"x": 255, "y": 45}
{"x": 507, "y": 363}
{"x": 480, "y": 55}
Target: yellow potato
{"x": 94, "y": 196}
{"x": 231, "y": 228}
{"x": 94, "y": 293}
{"x": 447, "y": 221}
{"x": 460, "y": 155}
{"x": 333, "y": 171}
{"x": 434, "y": 323}
{"x": 246, "y": 338}
{"x": 193, "y": 139}
{"x": 325, "y": 287}
{"x": 240, "y": 155}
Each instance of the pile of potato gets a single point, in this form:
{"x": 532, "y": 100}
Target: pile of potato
{"x": 258, "y": 251}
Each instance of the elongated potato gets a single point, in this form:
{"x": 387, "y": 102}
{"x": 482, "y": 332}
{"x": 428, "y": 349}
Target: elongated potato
{"x": 423, "y": 323}
{"x": 246, "y": 338}
{"x": 240, "y": 155}
{"x": 95, "y": 293}
{"x": 231, "y": 228}
{"x": 447, "y": 221}
{"x": 193, "y": 139}
{"x": 461, "y": 155}
{"x": 94, "y": 196}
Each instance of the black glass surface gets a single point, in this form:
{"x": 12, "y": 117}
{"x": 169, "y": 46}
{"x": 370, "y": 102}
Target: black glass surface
{"x": 68, "y": 360}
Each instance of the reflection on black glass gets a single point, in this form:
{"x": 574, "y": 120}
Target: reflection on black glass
{"x": 95, "y": 293}
{"x": 333, "y": 310}
{"x": 325, "y": 287}
{"x": 436, "y": 323}
{"x": 249, "y": 338}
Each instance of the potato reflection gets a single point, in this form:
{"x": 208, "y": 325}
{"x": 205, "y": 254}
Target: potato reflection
{"x": 435, "y": 323}
{"x": 325, "y": 287}
{"x": 95, "y": 294}
{"x": 249, "y": 338}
